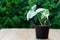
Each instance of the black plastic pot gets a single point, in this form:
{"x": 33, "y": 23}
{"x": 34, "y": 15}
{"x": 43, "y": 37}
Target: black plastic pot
{"x": 42, "y": 31}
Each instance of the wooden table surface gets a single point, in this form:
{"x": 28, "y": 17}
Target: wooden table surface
{"x": 26, "y": 34}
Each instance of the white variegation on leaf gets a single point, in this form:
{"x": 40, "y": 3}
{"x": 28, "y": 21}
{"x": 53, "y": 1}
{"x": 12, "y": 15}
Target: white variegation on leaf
{"x": 33, "y": 7}
{"x": 46, "y": 13}
{"x": 39, "y": 10}
{"x": 31, "y": 13}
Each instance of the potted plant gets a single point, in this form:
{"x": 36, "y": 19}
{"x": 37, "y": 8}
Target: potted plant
{"x": 42, "y": 29}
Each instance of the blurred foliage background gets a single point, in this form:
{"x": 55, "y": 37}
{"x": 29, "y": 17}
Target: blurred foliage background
{"x": 13, "y": 12}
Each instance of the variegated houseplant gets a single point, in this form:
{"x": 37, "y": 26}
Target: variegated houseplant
{"x": 42, "y": 29}
{"x": 44, "y": 13}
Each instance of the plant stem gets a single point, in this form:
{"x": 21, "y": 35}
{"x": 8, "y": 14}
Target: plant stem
{"x": 44, "y": 22}
{"x": 39, "y": 20}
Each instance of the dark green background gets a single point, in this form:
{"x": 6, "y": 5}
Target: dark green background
{"x": 13, "y": 12}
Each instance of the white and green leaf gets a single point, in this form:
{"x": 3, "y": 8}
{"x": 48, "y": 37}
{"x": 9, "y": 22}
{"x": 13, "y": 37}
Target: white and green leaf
{"x": 33, "y": 12}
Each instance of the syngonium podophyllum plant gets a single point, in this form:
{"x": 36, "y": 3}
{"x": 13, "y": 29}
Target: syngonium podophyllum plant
{"x": 42, "y": 14}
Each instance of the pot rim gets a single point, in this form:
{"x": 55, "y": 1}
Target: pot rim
{"x": 43, "y": 25}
